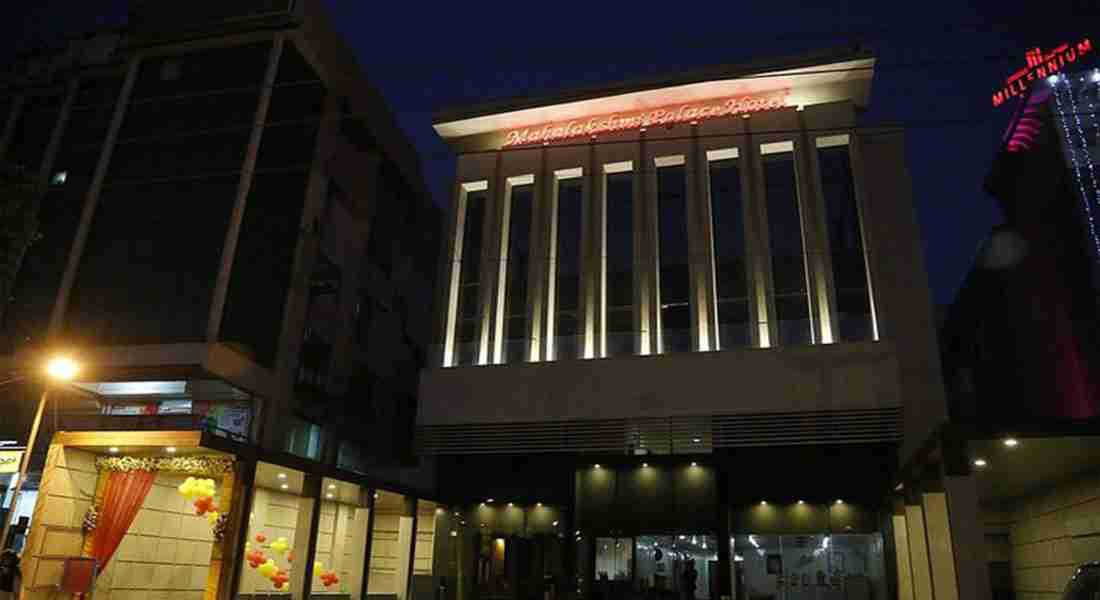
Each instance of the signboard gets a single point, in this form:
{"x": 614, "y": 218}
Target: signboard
{"x": 1040, "y": 65}
{"x": 9, "y": 461}
{"x": 668, "y": 115}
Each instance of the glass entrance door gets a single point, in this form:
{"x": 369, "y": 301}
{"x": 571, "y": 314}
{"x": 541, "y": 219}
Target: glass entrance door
{"x": 677, "y": 567}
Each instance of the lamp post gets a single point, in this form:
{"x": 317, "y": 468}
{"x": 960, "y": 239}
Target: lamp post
{"x": 59, "y": 368}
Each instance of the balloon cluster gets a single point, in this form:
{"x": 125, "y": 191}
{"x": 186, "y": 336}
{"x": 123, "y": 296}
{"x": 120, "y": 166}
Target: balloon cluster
{"x": 201, "y": 492}
{"x": 329, "y": 578}
{"x": 267, "y": 567}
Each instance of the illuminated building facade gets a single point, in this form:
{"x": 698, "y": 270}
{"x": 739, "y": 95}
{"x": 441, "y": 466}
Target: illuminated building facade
{"x": 682, "y": 319}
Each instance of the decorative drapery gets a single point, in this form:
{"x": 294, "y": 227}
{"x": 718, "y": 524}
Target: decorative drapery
{"x": 122, "y": 499}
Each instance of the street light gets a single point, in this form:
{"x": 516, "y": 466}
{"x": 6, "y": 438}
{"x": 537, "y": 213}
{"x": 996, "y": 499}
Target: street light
{"x": 58, "y": 369}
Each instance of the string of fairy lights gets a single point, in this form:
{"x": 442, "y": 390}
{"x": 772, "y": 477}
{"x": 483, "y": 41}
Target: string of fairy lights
{"x": 1063, "y": 84}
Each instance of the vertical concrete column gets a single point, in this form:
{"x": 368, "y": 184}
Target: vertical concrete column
{"x": 14, "y": 114}
{"x": 941, "y": 551}
{"x": 855, "y": 149}
{"x": 406, "y": 548}
{"x": 725, "y": 560}
{"x": 761, "y": 297}
{"x": 704, "y": 279}
{"x": 244, "y": 185}
{"x": 815, "y": 236}
{"x": 492, "y": 267}
{"x": 538, "y": 267}
{"x": 91, "y": 197}
{"x": 240, "y": 518}
{"x": 918, "y": 552}
{"x": 646, "y": 252}
{"x": 58, "y": 130}
{"x": 593, "y": 248}
{"x": 358, "y": 567}
{"x": 903, "y": 564}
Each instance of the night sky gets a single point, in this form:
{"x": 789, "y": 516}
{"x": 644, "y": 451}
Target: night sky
{"x": 938, "y": 64}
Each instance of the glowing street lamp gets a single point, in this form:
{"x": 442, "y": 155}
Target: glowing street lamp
{"x": 59, "y": 369}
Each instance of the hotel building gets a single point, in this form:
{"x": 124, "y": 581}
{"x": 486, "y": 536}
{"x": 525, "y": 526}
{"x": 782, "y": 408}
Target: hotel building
{"x": 683, "y": 319}
{"x": 237, "y": 246}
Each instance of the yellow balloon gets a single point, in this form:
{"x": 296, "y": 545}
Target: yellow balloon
{"x": 318, "y": 567}
{"x": 212, "y": 517}
{"x": 268, "y": 569}
{"x": 280, "y": 545}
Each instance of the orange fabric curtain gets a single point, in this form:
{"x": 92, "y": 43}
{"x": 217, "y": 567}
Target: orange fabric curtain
{"x": 125, "y": 493}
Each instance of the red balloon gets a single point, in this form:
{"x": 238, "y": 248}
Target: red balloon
{"x": 261, "y": 538}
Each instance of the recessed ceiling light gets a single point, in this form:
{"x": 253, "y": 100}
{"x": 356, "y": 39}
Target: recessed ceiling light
{"x": 555, "y": 523}
{"x": 696, "y": 440}
{"x": 284, "y": 486}
{"x": 1011, "y": 442}
{"x": 840, "y": 502}
{"x": 596, "y": 466}
{"x": 510, "y": 504}
{"x": 281, "y": 475}
{"x": 762, "y": 503}
{"x": 329, "y": 496}
{"x": 980, "y": 462}
{"x": 645, "y": 465}
{"x": 377, "y": 495}
{"x": 489, "y": 500}
{"x": 801, "y": 502}
{"x": 694, "y": 464}
{"x": 113, "y": 449}
{"x": 170, "y": 449}
{"x": 332, "y": 486}
{"x": 538, "y": 504}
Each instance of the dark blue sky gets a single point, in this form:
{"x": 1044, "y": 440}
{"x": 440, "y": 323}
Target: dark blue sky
{"x": 939, "y": 62}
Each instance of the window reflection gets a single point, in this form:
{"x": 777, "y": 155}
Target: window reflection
{"x": 808, "y": 567}
{"x": 675, "y": 278}
{"x": 792, "y": 308}
{"x": 517, "y": 344}
{"x": 621, "y": 332}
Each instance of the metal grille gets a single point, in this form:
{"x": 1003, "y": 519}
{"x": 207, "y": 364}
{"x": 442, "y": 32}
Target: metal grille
{"x": 670, "y": 435}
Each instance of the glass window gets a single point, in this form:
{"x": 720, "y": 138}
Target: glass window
{"x": 614, "y": 559}
{"x": 663, "y": 564}
{"x": 796, "y": 567}
{"x": 792, "y": 305}
{"x": 302, "y": 438}
{"x": 517, "y": 344}
{"x": 675, "y": 271}
{"x": 619, "y": 283}
{"x": 468, "y": 330}
{"x": 853, "y": 298}
{"x": 567, "y": 315}
{"x": 731, "y": 285}
{"x": 391, "y": 543}
{"x": 341, "y": 537}
{"x": 278, "y": 533}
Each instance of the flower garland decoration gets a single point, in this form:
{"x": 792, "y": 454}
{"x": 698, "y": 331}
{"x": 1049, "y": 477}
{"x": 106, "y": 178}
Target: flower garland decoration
{"x": 91, "y": 520}
{"x": 221, "y": 525}
{"x": 210, "y": 466}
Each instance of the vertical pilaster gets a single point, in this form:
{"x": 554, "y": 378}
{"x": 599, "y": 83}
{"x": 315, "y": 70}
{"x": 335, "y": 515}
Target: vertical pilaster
{"x": 855, "y": 149}
{"x": 762, "y": 298}
{"x": 59, "y": 129}
{"x": 967, "y": 531}
{"x": 244, "y": 184}
{"x": 941, "y": 551}
{"x": 705, "y": 294}
{"x": 406, "y": 548}
{"x": 309, "y": 515}
{"x": 368, "y": 501}
{"x": 903, "y": 562}
{"x": 646, "y": 252}
{"x": 816, "y": 239}
{"x": 594, "y": 248}
{"x": 538, "y": 267}
{"x": 239, "y": 520}
{"x": 492, "y": 266}
{"x": 91, "y": 197}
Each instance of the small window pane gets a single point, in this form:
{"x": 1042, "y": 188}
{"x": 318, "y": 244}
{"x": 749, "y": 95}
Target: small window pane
{"x": 675, "y": 270}
{"x": 792, "y": 306}
{"x": 734, "y": 327}
{"x": 621, "y": 332}
{"x": 853, "y": 298}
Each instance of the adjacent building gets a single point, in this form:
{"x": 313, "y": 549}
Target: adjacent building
{"x": 238, "y": 248}
{"x": 683, "y": 319}
{"x": 1020, "y": 457}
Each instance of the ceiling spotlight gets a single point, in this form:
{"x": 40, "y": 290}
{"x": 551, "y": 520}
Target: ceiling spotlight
{"x": 840, "y": 502}
{"x": 284, "y": 486}
{"x": 596, "y": 466}
{"x": 329, "y": 496}
{"x": 1095, "y": 75}
{"x": 980, "y": 462}
{"x": 170, "y": 449}
{"x": 281, "y": 475}
{"x": 1011, "y": 442}
{"x": 510, "y": 505}
{"x": 113, "y": 449}
{"x": 377, "y": 495}
{"x": 538, "y": 504}
{"x": 645, "y": 465}
{"x": 696, "y": 440}
{"x": 801, "y": 502}
{"x": 332, "y": 486}
{"x": 555, "y": 523}
{"x": 489, "y": 500}
{"x": 694, "y": 464}
{"x": 763, "y": 503}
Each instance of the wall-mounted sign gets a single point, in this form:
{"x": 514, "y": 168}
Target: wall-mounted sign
{"x": 1040, "y": 65}
{"x": 667, "y": 115}
{"x": 9, "y": 461}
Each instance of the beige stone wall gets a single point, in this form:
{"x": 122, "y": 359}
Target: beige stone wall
{"x": 383, "y": 554}
{"x": 166, "y": 553}
{"x": 275, "y": 515}
{"x": 425, "y": 540}
{"x": 66, "y": 491}
{"x": 1052, "y": 533}
{"x": 341, "y": 536}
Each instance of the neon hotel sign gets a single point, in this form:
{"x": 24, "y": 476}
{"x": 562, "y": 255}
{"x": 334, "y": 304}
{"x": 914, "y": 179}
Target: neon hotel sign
{"x": 1040, "y": 65}
{"x": 667, "y": 115}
